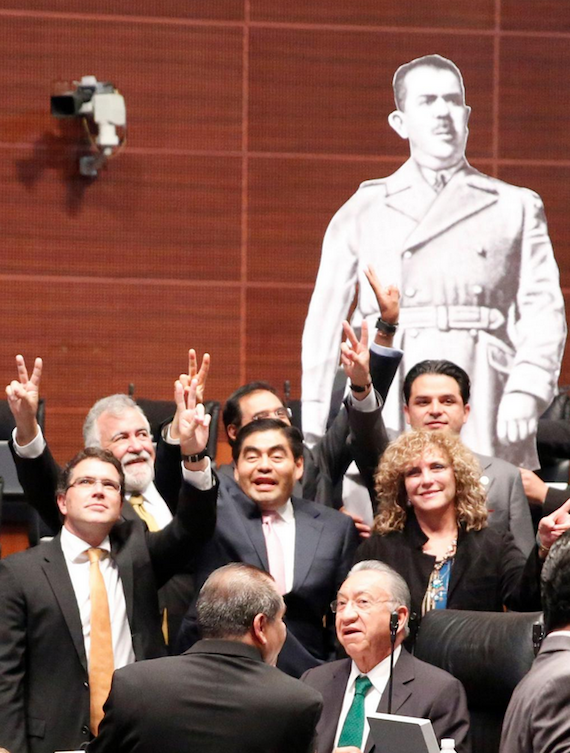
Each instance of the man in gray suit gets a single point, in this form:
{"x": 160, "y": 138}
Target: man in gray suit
{"x": 365, "y": 603}
{"x": 472, "y": 257}
{"x": 436, "y": 396}
{"x": 537, "y": 718}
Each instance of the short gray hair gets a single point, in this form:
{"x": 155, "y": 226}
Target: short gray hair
{"x": 397, "y": 586}
{"x": 232, "y": 596}
{"x": 116, "y": 405}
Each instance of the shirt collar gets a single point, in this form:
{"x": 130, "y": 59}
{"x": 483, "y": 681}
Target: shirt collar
{"x": 75, "y": 549}
{"x": 286, "y": 512}
{"x": 378, "y": 675}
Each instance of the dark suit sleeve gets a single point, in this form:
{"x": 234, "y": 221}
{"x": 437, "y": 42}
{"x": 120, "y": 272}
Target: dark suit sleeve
{"x": 520, "y": 577}
{"x": 520, "y": 521}
{"x": 38, "y": 478}
{"x": 383, "y": 369}
{"x": 555, "y": 498}
{"x": 326, "y": 463}
{"x": 449, "y": 715}
{"x": 368, "y": 440}
{"x": 12, "y": 663}
{"x": 193, "y": 524}
{"x": 168, "y": 471}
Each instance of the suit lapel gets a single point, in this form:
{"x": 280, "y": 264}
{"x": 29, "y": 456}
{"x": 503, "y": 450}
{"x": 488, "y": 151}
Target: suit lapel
{"x": 308, "y": 530}
{"x": 408, "y": 193}
{"x": 402, "y": 690}
{"x": 124, "y": 563}
{"x": 486, "y": 478}
{"x": 250, "y": 521}
{"x": 57, "y": 574}
{"x": 333, "y": 697}
{"x": 470, "y": 193}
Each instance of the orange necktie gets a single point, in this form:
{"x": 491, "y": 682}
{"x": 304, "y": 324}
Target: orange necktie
{"x": 101, "y": 663}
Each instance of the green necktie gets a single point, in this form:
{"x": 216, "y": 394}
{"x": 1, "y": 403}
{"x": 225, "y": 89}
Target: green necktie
{"x": 353, "y": 727}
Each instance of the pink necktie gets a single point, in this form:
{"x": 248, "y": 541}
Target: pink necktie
{"x": 274, "y": 550}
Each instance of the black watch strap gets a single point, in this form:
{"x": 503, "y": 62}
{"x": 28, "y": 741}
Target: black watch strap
{"x": 383, "y": 326}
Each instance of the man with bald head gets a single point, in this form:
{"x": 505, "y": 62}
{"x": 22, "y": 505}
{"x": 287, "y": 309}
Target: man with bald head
{"x": 225, "y": 693}
{"x": 372, "y": 594}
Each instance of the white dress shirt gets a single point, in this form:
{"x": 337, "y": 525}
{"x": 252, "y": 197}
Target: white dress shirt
{"x": 75, "y": 555}
{"x": 378, "y": 676}
{"x": 284, "y": 527}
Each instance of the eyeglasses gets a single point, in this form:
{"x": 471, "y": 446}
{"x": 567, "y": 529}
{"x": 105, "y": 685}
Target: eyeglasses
{"x": 88, "y": 482}
{"x": 362, "y": 604}
{"x": 280, "y": 413}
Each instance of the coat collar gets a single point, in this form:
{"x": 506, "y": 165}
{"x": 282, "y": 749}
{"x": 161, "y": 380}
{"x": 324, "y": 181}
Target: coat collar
{"x": 467, "y": 193}
{"x": 226, "y": 647}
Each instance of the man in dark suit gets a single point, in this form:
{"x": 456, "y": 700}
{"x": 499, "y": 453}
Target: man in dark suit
{"x": 315, "y": 544}
{"x": 537, "y": 718}
{"x": 222, "y": 694}
{"x": 118, "y": 424}
{"x": 47, "y": 701}
{"x": 355, "y": 434}
{"x": 372, "y": 594}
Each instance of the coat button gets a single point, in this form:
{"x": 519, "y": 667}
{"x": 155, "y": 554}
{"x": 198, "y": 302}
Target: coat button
{"x": 407, "y": 255}
{"x": 473, "y": 332}
{"x": 85, "y": 730}
{"x": 477, "y": 289}
{"x": 412, "y": 332}
{"x": 410, "y": 292}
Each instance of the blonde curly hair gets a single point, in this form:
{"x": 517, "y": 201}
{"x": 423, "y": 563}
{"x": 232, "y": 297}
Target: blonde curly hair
{"x": 402, "y": 454}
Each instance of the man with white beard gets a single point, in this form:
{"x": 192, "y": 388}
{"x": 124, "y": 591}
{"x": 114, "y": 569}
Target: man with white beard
{"x": 115, "y": 423}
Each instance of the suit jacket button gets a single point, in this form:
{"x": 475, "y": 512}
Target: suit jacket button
{"x": 85, "y": 730}
{"x": 86, "y": 685}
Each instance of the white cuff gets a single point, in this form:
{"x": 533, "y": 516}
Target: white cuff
{"x": 31, "y": 450}
{"x": 200, "y": 479}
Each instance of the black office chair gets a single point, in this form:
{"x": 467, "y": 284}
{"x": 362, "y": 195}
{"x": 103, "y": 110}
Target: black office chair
{"x": 490, "y": 653}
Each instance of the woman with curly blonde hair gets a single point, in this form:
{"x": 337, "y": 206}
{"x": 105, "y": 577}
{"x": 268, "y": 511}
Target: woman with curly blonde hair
{"x": 431, "y": 527}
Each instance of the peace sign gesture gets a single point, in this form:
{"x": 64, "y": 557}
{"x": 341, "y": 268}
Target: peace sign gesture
{"x": 23, "y": 399}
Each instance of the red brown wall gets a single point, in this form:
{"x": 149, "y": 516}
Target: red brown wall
{"x": 249, "y": 123}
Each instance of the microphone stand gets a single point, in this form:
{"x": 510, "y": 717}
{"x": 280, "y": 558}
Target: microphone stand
{"x": 393, "y": 632}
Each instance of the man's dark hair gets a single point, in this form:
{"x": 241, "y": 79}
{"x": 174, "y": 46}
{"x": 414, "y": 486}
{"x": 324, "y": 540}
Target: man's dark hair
{"x": 232, "y": 596}
{"x": 429, "y": 61}
{"x": 87, "y": 454}
{"x": 292, "y": 434}
{"x": 555, "y": 585}
{"x": 232, "y": 410}
{"x": 445, "y": 368}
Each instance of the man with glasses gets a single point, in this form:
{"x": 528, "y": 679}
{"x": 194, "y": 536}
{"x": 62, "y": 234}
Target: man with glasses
{"x": 353, "y": 688}
{"x": 85, "y": 603}
{"x": 357, "y": 433}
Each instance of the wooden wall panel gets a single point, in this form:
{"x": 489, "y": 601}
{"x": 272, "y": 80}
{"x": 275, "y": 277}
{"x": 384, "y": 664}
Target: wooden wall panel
{"x": 445, "y": 13}
{"x": 96, "y": 337}
{"x": 534, "y": 104}
{"x": 291, "y": 202}
{"x": 182, "y": 84}
{"x": 148, "y": 215}
{"x": 275, "y": 318}
{"x": 220, "y": 10}
{"x": 535, "y": 15}
{"x": 319, "y": 91}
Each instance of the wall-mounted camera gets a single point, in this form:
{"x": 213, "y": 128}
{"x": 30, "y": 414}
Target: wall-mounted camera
{"x": 103, "y": 111}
